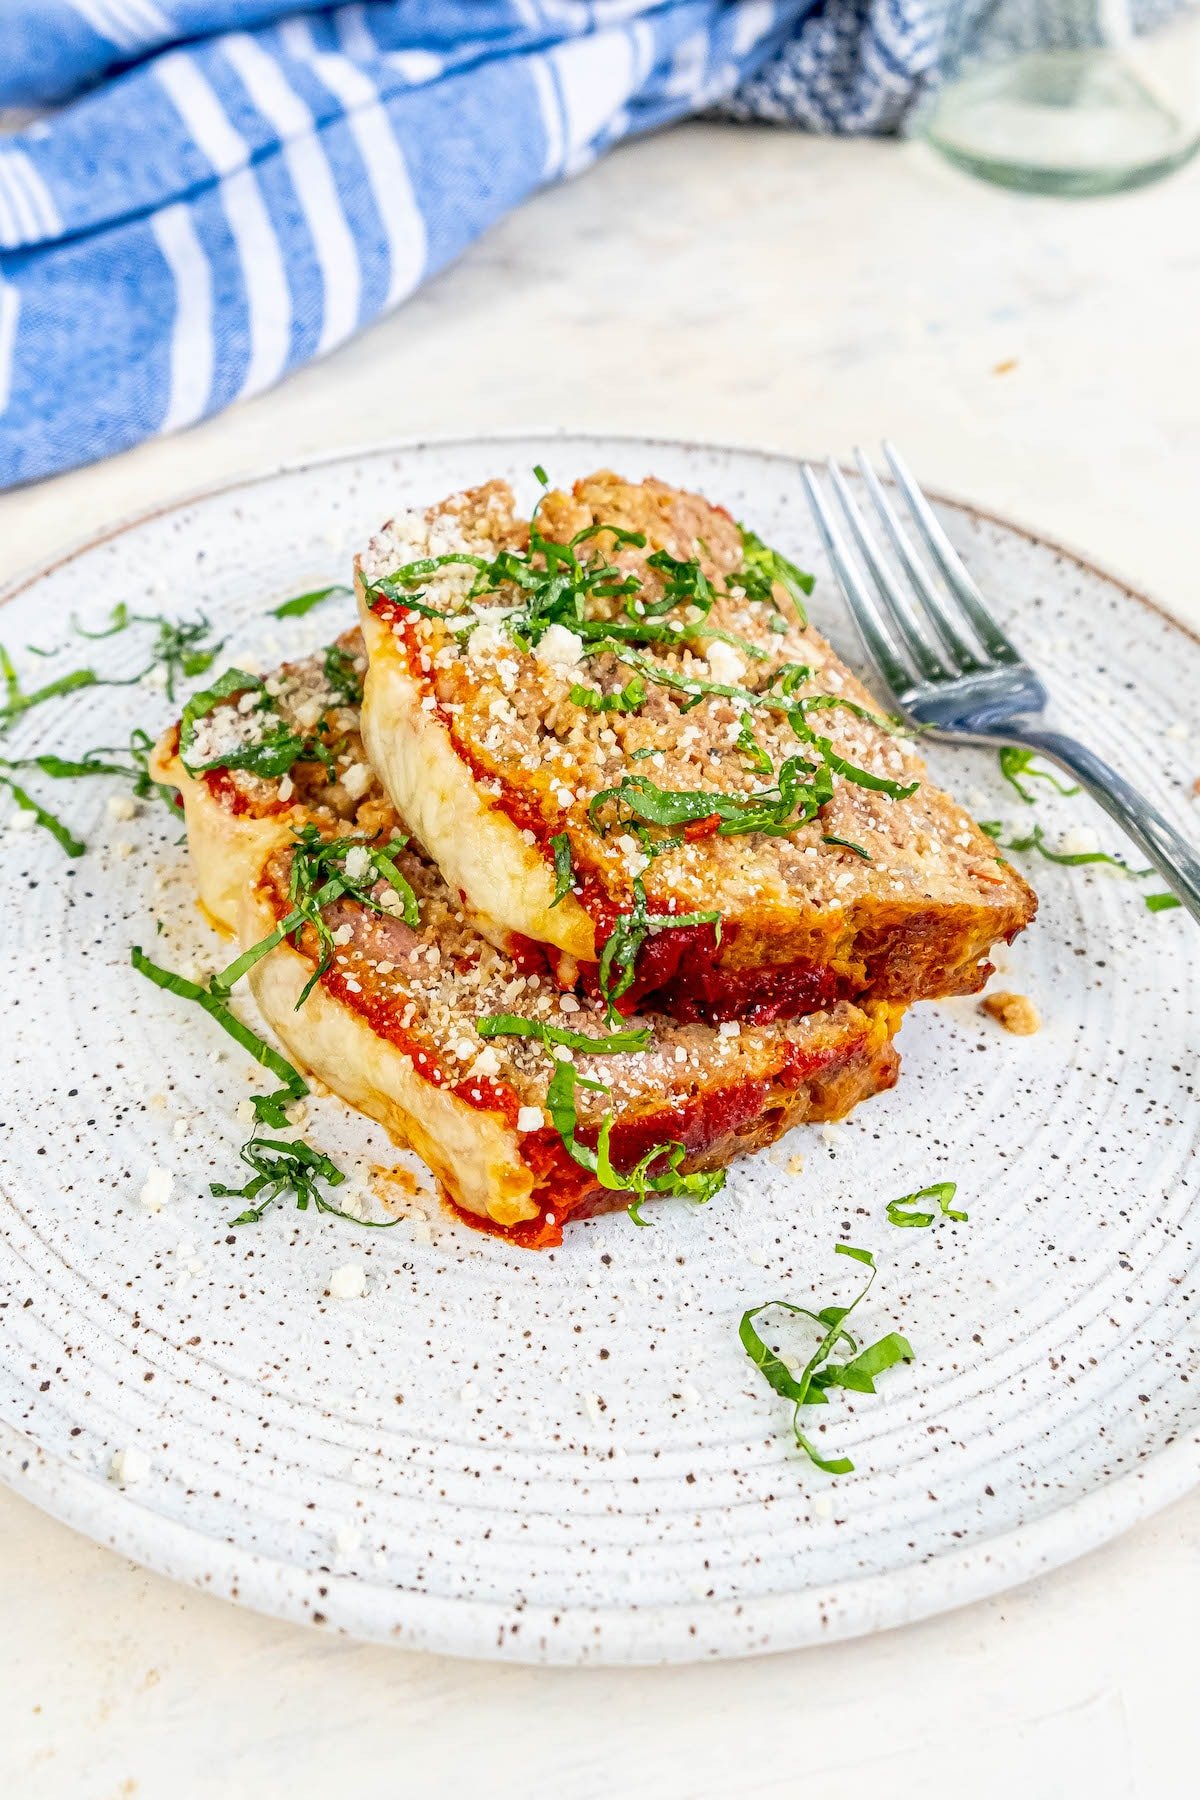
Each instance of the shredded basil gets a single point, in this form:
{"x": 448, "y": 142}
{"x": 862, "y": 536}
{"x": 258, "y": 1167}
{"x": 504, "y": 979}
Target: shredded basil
{"x": 292, "y": 1167}
{"x": 215, "y": 1003}
{"x": 763, "y": 567}
{"x": 624, "y": 943}
{"x": 304, "y": 603}
{"x": 627, "y": 699}
{"x": 17, "y": 701}
{"x": 564, "y": 872}
{"x": 1073, "y": 858}
{"x": 1157, "y": 903}
{"x": 319, "y": 876}
{"x": 604, "y": 1044}
{"x": 62, "y": 834}
{"x": 272, "y": 755}
{"x": 341, "y": 672}
{"x": 1016, "y": 763}
{"x": 847, "y": 844}
{"x": 819, "y": 1373}
{"x": 640, "y": 1181}
{"x": 751, "y": 749}
{"x": 900, "y": 1212}
{"x": 181, "y": 647}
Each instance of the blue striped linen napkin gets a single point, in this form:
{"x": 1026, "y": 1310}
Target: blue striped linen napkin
{"x": 214, "y": 192}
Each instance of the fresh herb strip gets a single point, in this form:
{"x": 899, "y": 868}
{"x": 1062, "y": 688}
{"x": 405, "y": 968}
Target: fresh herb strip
{"x": 61, "y": 833}
{"x": 819, "y": 1373}
{"x": 900, "y": 1212}
{"x": 273, "y": 754}
{"x": 751, "y": 749}
{"x": 626, "y": 700}
{"x": 136, "y": 771}
{"x": 800, "y": 790}
{"x": 304, "y": 603}
{"x": 182, "y": 648}
{"x": 1162, "y": 902}
{"x": 1017, "y": 766}
{"x": 762, "y": 568}
{"x": 624, "y": 942}
{"x": 611, "y": 1043}
{"x": 341, "y": 672}
{"x": 119, "y": 619}
{"x": 322, "y": 871}
{"x": 641, "y": 1180}
{"x": 282, "y": 1166}
{"x": 1071, "y": 858}
{"x": 17, "y": 701}
{"x": 564, "y": 871}
{"x": 216, "y": 1004}
{"x": 864, "y": 778}
{"x": 847, "y": 844}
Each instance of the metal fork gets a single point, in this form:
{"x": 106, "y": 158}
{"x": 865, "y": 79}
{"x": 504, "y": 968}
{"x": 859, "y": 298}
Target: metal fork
{"x": 950, "y": 667}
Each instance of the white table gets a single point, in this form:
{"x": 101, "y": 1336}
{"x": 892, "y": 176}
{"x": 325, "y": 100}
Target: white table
{"x": 1037, "y": 357}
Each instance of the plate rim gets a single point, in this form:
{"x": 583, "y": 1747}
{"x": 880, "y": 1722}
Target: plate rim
{"x": 348, "y": 1606}
{"x": 250, "y": 477}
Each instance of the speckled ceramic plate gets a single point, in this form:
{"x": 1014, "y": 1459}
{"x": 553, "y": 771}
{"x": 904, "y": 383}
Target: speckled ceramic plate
{"x": 566, "y": 1457}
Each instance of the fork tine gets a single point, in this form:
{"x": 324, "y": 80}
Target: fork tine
{"x": 950, "y": 563}
{"x": 941, "y": 617}
{"x": 871, "y": 621}
{"x": 902, "y": 616}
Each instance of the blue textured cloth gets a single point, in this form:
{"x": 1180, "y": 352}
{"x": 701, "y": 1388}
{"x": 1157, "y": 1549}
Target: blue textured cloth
{"x": 225, "y": 189}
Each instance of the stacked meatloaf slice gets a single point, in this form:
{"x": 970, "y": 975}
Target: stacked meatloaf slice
{"x": 523, "y": 1124}
{"x": 619, "y": 711}
{"x": 608, "y": 869}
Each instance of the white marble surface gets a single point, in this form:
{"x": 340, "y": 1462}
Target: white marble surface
{"x": 751, "y": 286}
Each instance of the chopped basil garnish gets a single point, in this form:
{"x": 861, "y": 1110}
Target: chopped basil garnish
{"x": 17, "y": 701}
{"x": 819, "y": 1372}
{"x": 61, "y": 833}
{"x": 847, "y": 844}
{"x": 215, "y": 1003}
{"x": 639, "y": 1181}
{"x": 322, "y": 871}
{"x": 627, "y": 699}
{"x": 136, "y": 770}
{"x": 563, "y": 866}
{"x": 1016, "y": 763}
{"x": 900, "y": 1212}
{"x": 880, "y": 784}
{"x": 118, "y": 620}
{"x": 751, "y": 749}
{"x": 1071, "y": 858}
{"x": 281, "y": 1167}
{"x": 799, "y": 791}
{"x": 763, "y": 567}
{"x": 604, "y": 1044}
{"x": 1162, "y": 902}
{"x": 341, "y": 672}
{"x": 274, "y": 753}
{"x": 625, "y": 941}
{"x": 304, "y": 603}
{"x": 181, "y": 647}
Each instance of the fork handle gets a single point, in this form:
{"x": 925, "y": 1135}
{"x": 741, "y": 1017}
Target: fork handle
{"x": 1176, "y": 860}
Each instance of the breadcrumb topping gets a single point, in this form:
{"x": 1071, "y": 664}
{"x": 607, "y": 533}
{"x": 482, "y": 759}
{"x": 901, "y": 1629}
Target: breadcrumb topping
{"x": 511, "y": 714}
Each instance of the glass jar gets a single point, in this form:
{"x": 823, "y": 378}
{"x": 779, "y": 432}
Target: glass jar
{"x": 1067, "y": 96}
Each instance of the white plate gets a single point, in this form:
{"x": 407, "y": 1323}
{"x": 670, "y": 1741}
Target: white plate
{"x": 566, "y": 1457}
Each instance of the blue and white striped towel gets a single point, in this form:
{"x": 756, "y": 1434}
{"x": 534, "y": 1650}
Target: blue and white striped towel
{"x": 228, "y": 188}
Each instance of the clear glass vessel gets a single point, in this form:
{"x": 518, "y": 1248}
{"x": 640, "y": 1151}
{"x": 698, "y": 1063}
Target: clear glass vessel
{"x": 1068, "y": 96}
